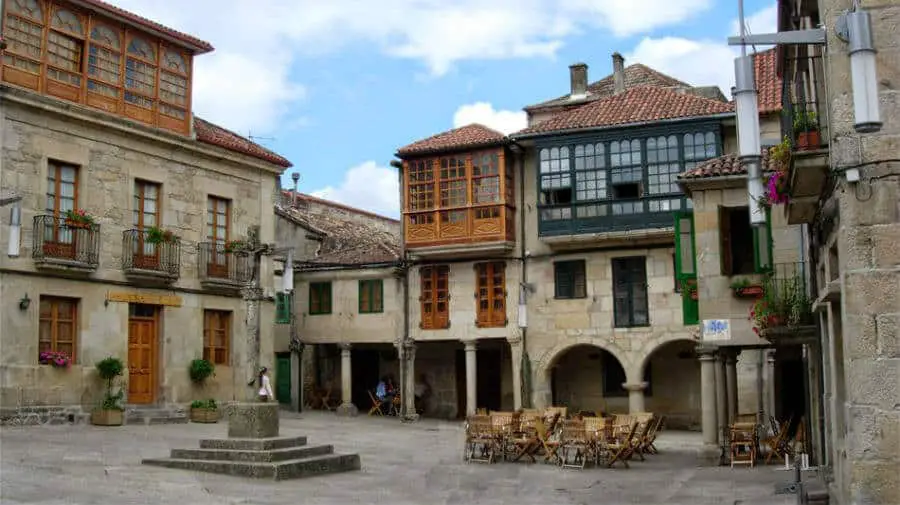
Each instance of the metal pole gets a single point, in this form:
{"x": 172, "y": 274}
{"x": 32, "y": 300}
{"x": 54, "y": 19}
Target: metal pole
{"x": 743, "y": 27}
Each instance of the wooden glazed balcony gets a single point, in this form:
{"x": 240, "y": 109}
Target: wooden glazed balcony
{"x": 473, "y": 225}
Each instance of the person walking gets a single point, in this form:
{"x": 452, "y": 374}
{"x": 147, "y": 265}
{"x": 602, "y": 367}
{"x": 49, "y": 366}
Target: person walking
{"x": 265, "y": 385}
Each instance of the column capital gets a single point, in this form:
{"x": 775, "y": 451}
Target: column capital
{"x": 638, "y": 386}
{"x": 470, "y": 345}
{"x": 345, "y": 346}
{"x": 706, "y": 354}
{"x": 514, "y": 340}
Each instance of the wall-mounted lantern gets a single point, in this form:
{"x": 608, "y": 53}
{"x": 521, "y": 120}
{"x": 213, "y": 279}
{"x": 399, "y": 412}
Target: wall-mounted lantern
{"x": 855, "y": 28}
{"x": 24, "y": 302}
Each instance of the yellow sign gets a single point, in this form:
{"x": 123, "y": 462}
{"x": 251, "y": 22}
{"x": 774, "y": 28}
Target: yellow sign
{"x": 167, "y": 300}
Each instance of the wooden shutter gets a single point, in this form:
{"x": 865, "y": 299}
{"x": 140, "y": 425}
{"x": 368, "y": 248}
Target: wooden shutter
{"x": 490, "y": 294}
{"x": 725, "y": 241}
{"x": 441, "y": 297}
{"x": 579, "y": 280}
{"x": 426, "y": 297}
{"x": 365, "y": 299}
{"x": 563, "y": 281}
{"x": 762, "y": 246}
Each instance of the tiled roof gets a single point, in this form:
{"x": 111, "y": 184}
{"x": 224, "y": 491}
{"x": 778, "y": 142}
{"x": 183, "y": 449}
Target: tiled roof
{"x": 200, "y": 46}
{"x": 464, "y": 137}
{"x": 218, "y": 136}
{"x": 350, "y": 236}
{"x": 726, "y": 165}
{"x": 768, "y": 83}
{"x": 634, "y": 105}
{"x": 635, "y": 75}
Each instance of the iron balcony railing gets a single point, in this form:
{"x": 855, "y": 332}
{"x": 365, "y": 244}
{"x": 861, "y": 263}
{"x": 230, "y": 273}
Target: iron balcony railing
{"x": 59, "y": 239}
{"x": 144, "y": 253}
{"x": 804, "y": 116}
{"x": 220, "y": 263}
{"x": 787, "y": 295}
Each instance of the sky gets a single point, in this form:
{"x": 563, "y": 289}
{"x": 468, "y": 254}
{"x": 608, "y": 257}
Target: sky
{"x": 337, "y": 86}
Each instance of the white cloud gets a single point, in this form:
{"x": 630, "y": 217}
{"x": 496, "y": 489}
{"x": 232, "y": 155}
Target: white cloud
{"x": 367, "y": 186}
{"x": 506, "y": 121}
{"x": 700, "y": 62}
{"x": 246, "y": 84}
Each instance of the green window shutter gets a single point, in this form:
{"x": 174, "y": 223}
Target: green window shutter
{"x": 685, "y": 257}
{"x": 762, "y": 246}
{"x": 283, "y": 308}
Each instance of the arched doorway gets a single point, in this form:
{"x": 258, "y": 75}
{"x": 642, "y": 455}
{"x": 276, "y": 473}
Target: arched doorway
{"x": 588, "y": 378}
{"x": 674, "y": 389}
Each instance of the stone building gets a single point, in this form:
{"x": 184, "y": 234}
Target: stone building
{"x": 844, "y": 187}
{"x": 347, "y": 301}
{"x": 132, "y": 210}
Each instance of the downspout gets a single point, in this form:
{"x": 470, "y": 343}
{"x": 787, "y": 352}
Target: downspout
{"x": 525, "y": 368}
{"x": 402, "y": 271}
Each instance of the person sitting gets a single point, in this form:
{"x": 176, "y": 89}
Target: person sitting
{"x": 385, "y": 394}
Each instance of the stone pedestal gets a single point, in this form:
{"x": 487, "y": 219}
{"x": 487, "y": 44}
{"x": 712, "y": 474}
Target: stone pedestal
{"x": 253, "y": 420}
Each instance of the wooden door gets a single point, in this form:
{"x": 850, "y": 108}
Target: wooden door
{"x": 283, "y": 378}
{"x": 143, "y": 338}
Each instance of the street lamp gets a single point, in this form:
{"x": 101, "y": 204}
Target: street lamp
{"x": 855, "y": 28}
{"x": 15, "y": 230}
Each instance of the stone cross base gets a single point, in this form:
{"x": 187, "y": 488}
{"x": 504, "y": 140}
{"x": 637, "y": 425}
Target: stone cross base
{"x": 253, "y": 420}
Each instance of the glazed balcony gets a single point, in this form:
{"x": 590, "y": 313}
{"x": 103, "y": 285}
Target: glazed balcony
{"x": 65, "y": 245}
{"x": 804, "y": 125}
{"x": 644, "y": 219}
{"x": 223, "y": 269}
{"x": 479, "y": 229}
{"x": 147, "y": 258}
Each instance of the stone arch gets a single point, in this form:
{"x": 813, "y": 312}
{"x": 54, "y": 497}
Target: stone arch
{"x": 551, "y": 356}
{"x": 638, "y": 371}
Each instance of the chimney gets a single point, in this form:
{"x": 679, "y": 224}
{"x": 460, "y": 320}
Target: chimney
{"x": 618, "y": 73}
{"x": 579, "y": 80}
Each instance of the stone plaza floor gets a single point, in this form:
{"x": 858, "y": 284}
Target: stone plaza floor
{"x": 418, "y": 463}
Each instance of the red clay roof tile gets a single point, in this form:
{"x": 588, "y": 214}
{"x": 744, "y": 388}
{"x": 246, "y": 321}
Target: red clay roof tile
{"x": 464, "y": 137}
{"x": 634, "y": 105}
{"x": 768, "y": 83}
{"x": 216, "y": 135}
{"x": 198, "y": 45}
{"x": 727, "y": 165}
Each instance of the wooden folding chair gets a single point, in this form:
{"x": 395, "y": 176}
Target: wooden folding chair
{"x": 524, "y": 441}
{"x": 574, "y": 446}
{"x": 479, "y": 445}
{"x": 647, "y": 445}
{"x": 376, "y": 405}
{"x": 743, "y": 444}
{"x": 548, "y": 442}
{"x": 778, "y": 444}
{"x": 638, "y": 440}
{"x": 620, "y": 449}
{"x": 503, "y": 424}
{"x": 595, "y": 428}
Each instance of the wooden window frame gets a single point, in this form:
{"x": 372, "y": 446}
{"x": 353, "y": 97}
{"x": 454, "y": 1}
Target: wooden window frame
{"x": 119, "y": 53}
{"x": 320, "y": 298}
{"x": 59, "y": 239}
{"x": 370, "y": 292}
{"x": 11, "y": 48}
{"x": 183, "y": 74}
{"x": 626, "y": 274}
{"x": 570, "y": 279}
{"x": 153, "y": 74}
{"x": 433, "y": 181}
{"x": 146, "y": 254}
{"x": 209, "y": 342}
{"x": 218, "y": 260}
{"x": 79, "y": 41}
{"x": 284, "y": 303}
{"x": 432, "y": 295}
{"x": 761, "y": 239}
{"x": 55, "y": 320}
{"x": 490, "y": 290}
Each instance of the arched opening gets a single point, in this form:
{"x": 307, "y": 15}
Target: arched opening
{"x": 675, "y": 384}
{"x": 588, "y": 378}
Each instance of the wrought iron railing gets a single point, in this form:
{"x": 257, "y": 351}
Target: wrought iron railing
{"x": 220, "y": 263}
{"x": 611, "y": 215}
{"x": 804, "y": 116}
{"x": 786, "y": 295}
{"x": 59, "y": 239}
{"x": 141, "y": 252}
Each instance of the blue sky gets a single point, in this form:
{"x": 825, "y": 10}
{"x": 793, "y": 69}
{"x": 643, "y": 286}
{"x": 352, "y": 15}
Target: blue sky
{"x": 337, "y": 86}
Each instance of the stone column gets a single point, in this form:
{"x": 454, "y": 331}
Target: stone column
{"x": 471, "y": 377}
{"x": 409, "y": 393}
{"x": 770, "y": 383}
{"x": 347, "y": 408}
{"x": 721, "y": 396}
{"x": 252, "y": 295}
{"x": 708, "y": 399}
{"x": 731, "y": 382}
{"x": 515, "y": 346}
{"x": 635, "y": 397}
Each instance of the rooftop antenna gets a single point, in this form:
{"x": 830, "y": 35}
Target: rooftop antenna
{"x": 296, "y": 178}
{"x": 254, "y": 139}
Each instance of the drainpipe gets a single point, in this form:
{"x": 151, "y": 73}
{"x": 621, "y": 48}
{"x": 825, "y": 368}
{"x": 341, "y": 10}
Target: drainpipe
{"x": 525, "y": 368}
{"x": 402, "y": 273}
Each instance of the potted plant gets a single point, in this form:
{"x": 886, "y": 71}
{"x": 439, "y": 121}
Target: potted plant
{"x": 781, "y": 153}
{"x": 806, "y": 130}
{"x": 783, "y": 309}
{"x": 776, "y": 189}
{"x": 78, "y": 218}
{"x": 203, "y": 411}
{"x": 56, "y": 359}
{"x": 689, "y": 287}
{"x": 744, "y": 288}
{"x": 156, "y": 235}
{"x": 236, "y": 245}
{"x": 110, "y": 412}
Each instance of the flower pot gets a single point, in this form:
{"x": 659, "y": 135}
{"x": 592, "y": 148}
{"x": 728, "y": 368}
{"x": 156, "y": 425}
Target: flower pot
{"x": 808, "y": 141}
{"x": 101, "y": 417}
{"x": 71, "y": 223}
{"x": 204, "y": 415}
{"x": 695, "y": 295}
{"x": 748, "y": 292}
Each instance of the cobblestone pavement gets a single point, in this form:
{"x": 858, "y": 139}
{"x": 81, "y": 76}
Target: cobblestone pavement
{"x": 402, "y": 464}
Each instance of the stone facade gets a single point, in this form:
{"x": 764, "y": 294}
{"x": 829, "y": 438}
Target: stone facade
{"x": 855, "y": 249}
{"x": 111, "y": 155}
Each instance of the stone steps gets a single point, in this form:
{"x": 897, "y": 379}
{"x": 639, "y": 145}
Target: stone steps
{"x": 289, "y": 469}
{"x": 252, "y": 444}
{"x": 265, "y": 456}
{"x": 148, "y": 416}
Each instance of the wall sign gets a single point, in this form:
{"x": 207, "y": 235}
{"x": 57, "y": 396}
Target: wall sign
{"x": 167, "y": 300}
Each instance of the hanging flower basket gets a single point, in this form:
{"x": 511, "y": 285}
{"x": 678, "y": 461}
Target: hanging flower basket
{"x": 777, "y": 188}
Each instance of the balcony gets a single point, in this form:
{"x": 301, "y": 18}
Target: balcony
{"x": 645, "y": 219}
{"x": 481, "y": 229}
{"x": 804, "y": 125}
{"x": 147, "y": 259}
{"x": 222, "y": 269}
{"x": 783, "y": 314}
{"x": 64, "y": 245}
